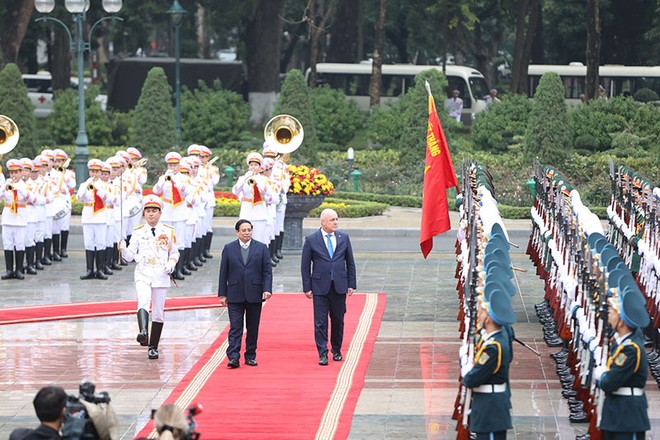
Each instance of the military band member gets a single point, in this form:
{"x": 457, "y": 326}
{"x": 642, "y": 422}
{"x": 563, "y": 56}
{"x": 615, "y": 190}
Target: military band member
{"x": 202, "y": 195}
{"x": 210, "y": 174}
{"x": 254, "y": 193}
{"x": 93, "y": 193}
{"x": 187, "y": 267}
{"x": 488, "y": 374}
{"x": 48, "y": 158}
{"x": 135, "y": 177}
{"x": 31, "y": 215}
{"x": 43, "y": 192}
{"x": 172, "y": 190}
{"x": 625, "y": 409}
{"x": 281, "y": 175}
{"x": 64, "y": 180}
{"x": 154, "y": 249}
{"x": 110, "y": 202}
{"x": 14, "y": 222}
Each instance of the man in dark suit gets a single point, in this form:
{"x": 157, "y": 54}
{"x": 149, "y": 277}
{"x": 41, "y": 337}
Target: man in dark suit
{"x": 328, "y": 275}
{"x": 246, "y": 281}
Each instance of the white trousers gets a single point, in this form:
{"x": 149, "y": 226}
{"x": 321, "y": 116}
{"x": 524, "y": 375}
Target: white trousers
{"x": 154, "y": 295}
{"x": 13, "y": 237}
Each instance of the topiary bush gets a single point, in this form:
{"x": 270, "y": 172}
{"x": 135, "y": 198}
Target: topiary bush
{"x": 547, "y": 137}
{"x": 63, "y": 121}
{"x": 15, "y": 104}
{"x": 645, "y": 95}
{"x": 212, "y": 116}
{"x": 337, "y": 119}
{"x": 153, "y": 128}
{"x": 294, "y": 100}
{"x": 497, "y": 128}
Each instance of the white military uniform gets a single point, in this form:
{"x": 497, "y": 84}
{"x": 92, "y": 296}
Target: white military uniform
{"x": 155, "y": 252}
{"x": 174, "y": 208}
{"x": 255, "y": 209}
{"x": 14, "y": 215}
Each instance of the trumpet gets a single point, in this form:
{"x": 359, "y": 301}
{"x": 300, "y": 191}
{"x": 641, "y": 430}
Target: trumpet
{"x": 9, "y": 187}
{"x": 210, "y": 162}
{"x": 90, "y": 187}
{"x": 138, "y": 163}
{"x": 168, "y": 178}
{"x": 64, "y": 166}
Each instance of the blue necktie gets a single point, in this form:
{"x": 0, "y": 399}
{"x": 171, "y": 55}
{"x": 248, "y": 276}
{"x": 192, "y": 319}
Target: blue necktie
{"x": 331, "y": 250}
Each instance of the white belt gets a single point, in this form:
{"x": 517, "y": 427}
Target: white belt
{"x": 490, "y": 388}
{"x": 629, "y": 391}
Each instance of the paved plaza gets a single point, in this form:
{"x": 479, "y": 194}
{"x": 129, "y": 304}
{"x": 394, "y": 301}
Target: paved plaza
{"x": 411, "y": 382}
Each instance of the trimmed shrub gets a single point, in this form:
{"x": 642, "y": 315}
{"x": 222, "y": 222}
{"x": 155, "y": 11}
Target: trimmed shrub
{"x": 294, "y": 100}
{"x": 547, "y": 137}
{"x": 498, "y": 128}
{"x": 15, "y": 104}
{"x": 63, "y": 121}
{"x": 337, "y": 118}
{"x": 645, "y": 95}
{"x": 153, "y": 128}
{"x": 213, "y": 116}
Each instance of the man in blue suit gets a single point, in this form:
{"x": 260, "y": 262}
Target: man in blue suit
{"x": 328, "y": 275}
{"x": 246, "y": 281}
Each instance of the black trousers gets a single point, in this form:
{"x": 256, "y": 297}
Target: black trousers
{"x": 252, "y": 314}
{"x": 333, "y": 305}
{"x": 609, "y": 435}
{"x": 499, "y": 435}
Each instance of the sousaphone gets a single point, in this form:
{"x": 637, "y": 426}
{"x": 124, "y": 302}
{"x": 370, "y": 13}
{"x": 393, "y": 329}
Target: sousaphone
{"x": 284, "y": 133}
{"x": 8, "y": 135}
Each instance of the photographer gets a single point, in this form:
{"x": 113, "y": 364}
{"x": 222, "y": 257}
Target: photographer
{"x": 171, "y": 423}
{"x": 50, "y": 406}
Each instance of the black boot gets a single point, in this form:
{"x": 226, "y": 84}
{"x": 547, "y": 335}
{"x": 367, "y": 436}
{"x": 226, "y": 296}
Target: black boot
{"x": 107, "y": 261}
{"x": 177, "y": 275}
{"x": 278, "y": 245}
{"x": 156, "y": 329}
{"x": 114, "y": 259}
{"x": 9, "y": 264}
{"x": 89, "y": 260}
{"x": 29, "y": 253}
{"x": 39, "y": 254}
{"x": 45, "y": 260}
{"x": 199, "y": 251}
{"x": 99, "y": 256}
{"x": 143, "y": 324}
{"x": 64, "y": 241}
{"x": 207, "y": 245}
{"x": 20, "y": 257}
{"x": 187, "y": 264}
{"x": 271, "y": 253}
{"x": 56, "y": 247}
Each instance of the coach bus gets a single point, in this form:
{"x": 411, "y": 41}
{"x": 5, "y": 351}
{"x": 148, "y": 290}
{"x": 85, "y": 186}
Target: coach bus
{"x": 354, "y": 79}
{"x": 615, "y": 79}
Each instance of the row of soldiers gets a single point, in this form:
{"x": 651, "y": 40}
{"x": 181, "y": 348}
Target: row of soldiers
{"x": 36, "y": 213}
{"x": 593, "y": 309}
{"x": 485, "y": 288}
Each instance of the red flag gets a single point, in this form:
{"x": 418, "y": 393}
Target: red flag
{"x": 98, "y": 205}
{"x": 176, "y": 195}
{"x": 439, "y": 175}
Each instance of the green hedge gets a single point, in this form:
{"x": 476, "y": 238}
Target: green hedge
{"x": 350, "y": 208}
{"x": 389, "y": 199}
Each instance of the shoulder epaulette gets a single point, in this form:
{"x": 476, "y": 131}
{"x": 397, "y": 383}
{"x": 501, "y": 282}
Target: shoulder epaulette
{"x": 168, "y": 226}
{"x": 139, "y": 226}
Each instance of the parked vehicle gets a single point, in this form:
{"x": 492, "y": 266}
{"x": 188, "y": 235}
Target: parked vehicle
{"x": 40, "y": 92}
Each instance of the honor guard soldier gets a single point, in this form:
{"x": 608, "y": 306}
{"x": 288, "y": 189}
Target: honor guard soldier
{"x": 43, "y": 193}
{"x": 187, "y": 267}
{"x": 173, "y": 191}
{"x": 136, "y": 176}
{"x": 267, "y": 170}
{"x": 488, "y": 374}
{"x": 65, "y": 183}
{"x": 14, "y": 221}
{"x": 281, "y": 175}
{"x": 93, "y": 193}
{"x": 154, "y": 249}
{"x": 625, "y": 409}
{"x": 199, "y": 201}
{"x": 31, "y": 215}
{"x": 254, "y": 193}
{"x": 210, "y": 174}
{"x": 48, "y": 158}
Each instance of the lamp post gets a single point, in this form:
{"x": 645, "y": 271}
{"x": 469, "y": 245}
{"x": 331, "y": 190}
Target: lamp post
{"x": 79, "y": 8}
{"x": 177, "y": 12}
{"x": 350, "y": 159}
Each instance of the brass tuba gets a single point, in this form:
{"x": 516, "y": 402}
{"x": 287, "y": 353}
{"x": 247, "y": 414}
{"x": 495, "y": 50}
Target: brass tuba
{"x": 8, "y": 134}
{"x": 284, "y": 133}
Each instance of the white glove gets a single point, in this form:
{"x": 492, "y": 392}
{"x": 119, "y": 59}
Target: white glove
{"x": 463, "y": 351}
{"x": 598, "y": 372}
{"x": 465, "y": 369}
{"x": 169, "y": 267}
{"x": 122, "y": 244}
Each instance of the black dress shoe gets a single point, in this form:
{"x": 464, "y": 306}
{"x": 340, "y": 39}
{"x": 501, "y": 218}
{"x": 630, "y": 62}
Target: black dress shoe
{"x": 18, "y": 275}
{"x": 251, "y": 362}
{"x": 31, "y": 270}
{"x": 578, "y": 417}
{"x": 56, "y": 257}
{"x": 233, "y": 363}
{"x": 143, "y": 338}
{"x": 323, "y": 359}
{"x": 337, "y": 357}
{"x": 153, "y": 352}
{"x": 586, "y": 436}
{"x": 99, "y": 275}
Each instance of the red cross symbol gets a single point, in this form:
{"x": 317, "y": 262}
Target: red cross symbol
{"x": 42, "y": 99}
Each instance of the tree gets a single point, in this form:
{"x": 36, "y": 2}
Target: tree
{"x": 377, "y": 65}
{"x": 317, "y": 19}
{"x": 263, "y": 32}
{"x": 548, "y": 137}
{"x": 154, "y": 121}
{"x": 528, "y": 14}
{"x": 593, "y": 48}
{"x": 15, "y": 104}
{"x": 16, "y": 17}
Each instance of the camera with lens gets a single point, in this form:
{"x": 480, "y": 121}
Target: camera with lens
{"x": 77, "y": 423}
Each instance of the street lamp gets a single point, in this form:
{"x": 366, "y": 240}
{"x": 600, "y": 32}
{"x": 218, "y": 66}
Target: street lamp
{"x": 177, "y": 13}
{"x": 79, "y": 8}
{"x": 350, "y": 159}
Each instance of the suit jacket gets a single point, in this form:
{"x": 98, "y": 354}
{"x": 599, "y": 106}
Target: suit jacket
{"x": 43, "y": 432}
{"x": 318, "y": 269}
{"x": 245, "y": 281}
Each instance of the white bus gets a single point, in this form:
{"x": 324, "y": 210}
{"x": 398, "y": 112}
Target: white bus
{"x": 354, "y": 79}
{"x": 616, "y": 79}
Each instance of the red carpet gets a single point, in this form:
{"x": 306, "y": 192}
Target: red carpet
{"x": 288, "y": 396}
{"x": 54, "y": 312}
